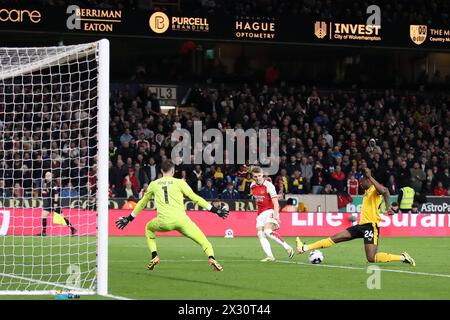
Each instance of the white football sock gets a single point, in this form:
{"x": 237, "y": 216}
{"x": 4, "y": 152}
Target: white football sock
{"x": 276, "y": 237}
{"x": 265, "y": 244}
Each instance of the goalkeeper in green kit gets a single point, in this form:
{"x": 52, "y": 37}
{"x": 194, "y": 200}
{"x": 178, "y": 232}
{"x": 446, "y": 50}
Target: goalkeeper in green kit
{"x": 168, "y": 193}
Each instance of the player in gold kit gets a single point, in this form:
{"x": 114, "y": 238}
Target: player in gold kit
{"x": 368, "y": 227}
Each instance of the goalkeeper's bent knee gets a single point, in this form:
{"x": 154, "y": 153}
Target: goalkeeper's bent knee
{"x": 148, "y": 232}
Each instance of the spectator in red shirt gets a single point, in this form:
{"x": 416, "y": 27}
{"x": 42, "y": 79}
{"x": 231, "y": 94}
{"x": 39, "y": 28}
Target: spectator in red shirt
{"x": 111, "y": 192}
{"x": 338, "y": 179}
{"x": 17, "y": 191}
{"x": 352, "y": 185}
{"x": 440, "y": 190}
{"x": 92, "y": 175}
{"x": 55, "y": 161}
{"x": 132, "y": 178}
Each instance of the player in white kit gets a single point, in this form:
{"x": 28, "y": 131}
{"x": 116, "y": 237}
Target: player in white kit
{"x": 268, "y": 219}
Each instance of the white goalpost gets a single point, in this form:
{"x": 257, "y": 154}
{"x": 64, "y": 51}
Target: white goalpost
{"x": 54, "y": 117}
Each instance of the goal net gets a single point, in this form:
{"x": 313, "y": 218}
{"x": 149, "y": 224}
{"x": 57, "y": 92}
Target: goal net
{"x": 54, "y": 169}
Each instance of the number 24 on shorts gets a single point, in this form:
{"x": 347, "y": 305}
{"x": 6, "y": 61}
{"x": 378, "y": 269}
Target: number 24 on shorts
{"x": 368, "y": 234}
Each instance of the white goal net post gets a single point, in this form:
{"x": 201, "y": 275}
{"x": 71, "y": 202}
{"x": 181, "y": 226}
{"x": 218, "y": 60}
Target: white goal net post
{"x": 54, "y": 134}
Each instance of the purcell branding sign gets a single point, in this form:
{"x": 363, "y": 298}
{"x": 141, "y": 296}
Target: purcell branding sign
{"x": 190, "y": 24}
{"x": 102, "y": 20}
{"x": 255, "y": 28}
{"x": 159, "y": 22}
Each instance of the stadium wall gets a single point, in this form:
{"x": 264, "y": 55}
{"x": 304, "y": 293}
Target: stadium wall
{"x": 28, "y": 222}
{"x": 327, "y": 203}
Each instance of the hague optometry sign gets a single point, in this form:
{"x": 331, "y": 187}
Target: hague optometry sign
{"x": 75, "y": 19}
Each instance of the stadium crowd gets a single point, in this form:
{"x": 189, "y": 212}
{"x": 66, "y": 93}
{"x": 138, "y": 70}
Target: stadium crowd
{"x": 403, "y": 10}
{"x": 46, "y": 128}
{"x": 325, "y": 136}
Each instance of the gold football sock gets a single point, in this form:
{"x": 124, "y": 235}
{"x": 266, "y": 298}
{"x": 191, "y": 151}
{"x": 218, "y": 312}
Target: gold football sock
{"x": 387, "y": 257}
{"x": 324, "y": 243}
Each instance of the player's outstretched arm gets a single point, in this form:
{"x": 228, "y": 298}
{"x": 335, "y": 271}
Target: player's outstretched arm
{"x": 220, "y": 210}
{"x": 142, "y": 203}
{"x": 380, "y": 189}
{"x": 122, "y": 222}
{"x": 378, "y": 186}
{"x": 188, "y": 192}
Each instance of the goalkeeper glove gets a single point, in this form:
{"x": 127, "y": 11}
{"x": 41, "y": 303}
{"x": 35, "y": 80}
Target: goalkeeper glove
{"x": 220, "y": 211}
{"x": 124, "y": 221}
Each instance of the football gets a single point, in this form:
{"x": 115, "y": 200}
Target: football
{"x": 316, "y": 257}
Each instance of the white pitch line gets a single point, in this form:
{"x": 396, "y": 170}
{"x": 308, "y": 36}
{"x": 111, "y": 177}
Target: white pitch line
{"x": 116, "y": 297}
{"x": 360, "y": 268}
{"x": 188, "y": 246}
{"x": 306, "y": 264}
{"x": 181, "y": 261}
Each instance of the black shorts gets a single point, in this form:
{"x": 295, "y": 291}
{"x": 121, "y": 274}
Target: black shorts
{"x": 47, "y": 205}
{"x": 369, "y": 231}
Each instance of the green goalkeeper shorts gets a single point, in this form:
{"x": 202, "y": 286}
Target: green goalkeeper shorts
{"x": 184, "y": 225}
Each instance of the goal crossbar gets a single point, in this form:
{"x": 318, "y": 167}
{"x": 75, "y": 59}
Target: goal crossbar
{"x": 78, "y": 51}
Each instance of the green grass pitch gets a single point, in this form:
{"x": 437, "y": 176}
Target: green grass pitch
{"x": 184, "y": 273}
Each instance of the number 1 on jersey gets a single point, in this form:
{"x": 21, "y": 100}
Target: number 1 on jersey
{"x": 166, "y": 195}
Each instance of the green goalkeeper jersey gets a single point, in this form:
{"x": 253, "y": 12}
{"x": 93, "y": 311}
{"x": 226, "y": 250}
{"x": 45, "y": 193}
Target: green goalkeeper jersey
{"x": 168, "y": 193}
